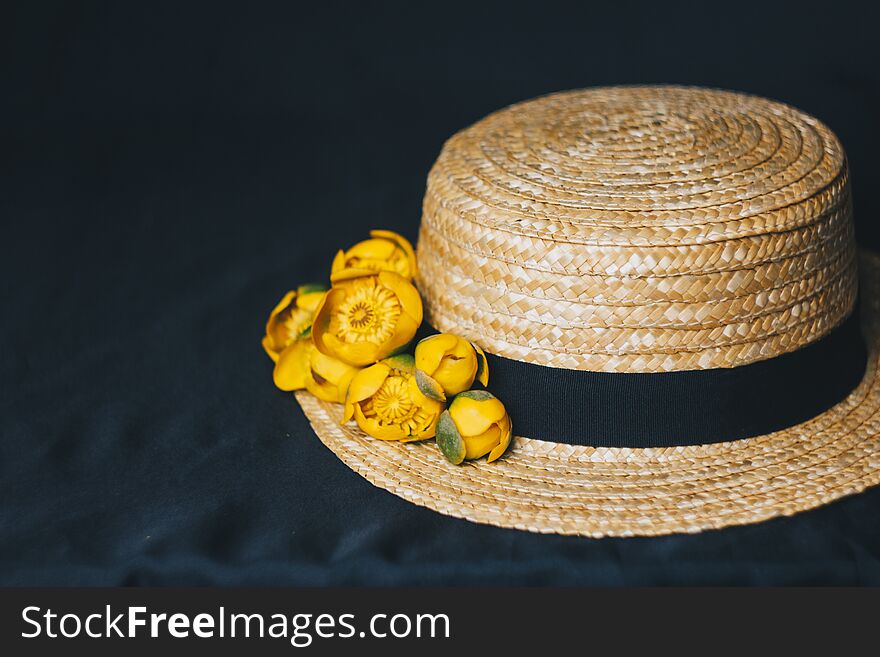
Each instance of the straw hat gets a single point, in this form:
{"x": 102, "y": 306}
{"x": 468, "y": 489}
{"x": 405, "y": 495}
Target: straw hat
{"x": 665, "y": 282}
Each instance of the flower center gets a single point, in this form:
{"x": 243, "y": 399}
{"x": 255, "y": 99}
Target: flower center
{"x": 360, "y": 315}
{"x": 368, "y": 314}
{"x": 391, "y": 404}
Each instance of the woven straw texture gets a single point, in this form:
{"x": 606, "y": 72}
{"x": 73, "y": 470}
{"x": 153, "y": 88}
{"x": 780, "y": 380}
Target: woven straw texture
{"x": 553, "y": 488}
{"x": 639, "y": 229}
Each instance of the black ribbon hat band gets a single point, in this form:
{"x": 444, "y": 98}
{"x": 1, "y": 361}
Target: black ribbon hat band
{"x": 603, "y": 409}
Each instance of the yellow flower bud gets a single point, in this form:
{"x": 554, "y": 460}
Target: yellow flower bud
{"x": 363, "y": 319}
{"x": 452, "y": 362}
{"x": 476, "y": 424}
{"x": 291, "y": 318}
{"x": 386, "y": 402}
{"x": 384, "y": 251}
{"x": 302, "y": 366}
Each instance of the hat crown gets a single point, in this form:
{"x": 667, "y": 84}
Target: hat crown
{"x": 639, "y": 229}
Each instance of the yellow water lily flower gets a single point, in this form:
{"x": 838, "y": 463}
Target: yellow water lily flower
{"x": 476, "y": 424}
{"x": 384, "y": 251}
{"x": 386, "y": 402}
{"x": 363, "y": 319}
{"x": 302, "y": 366}
{"x": 452, "y": 362}
{"x": 291, "y": 318}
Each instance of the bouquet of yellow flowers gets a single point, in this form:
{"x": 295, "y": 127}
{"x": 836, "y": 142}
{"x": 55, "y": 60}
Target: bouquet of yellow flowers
{"x": 352, "y": 343}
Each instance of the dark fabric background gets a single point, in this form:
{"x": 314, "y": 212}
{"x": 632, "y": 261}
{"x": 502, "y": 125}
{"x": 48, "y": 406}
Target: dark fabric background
{"x": 167, "y": 171}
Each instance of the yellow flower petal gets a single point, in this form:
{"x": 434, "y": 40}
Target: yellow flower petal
{"x": 331, "y": 391}
{"x": 366, "y": 382}
{"x": 275, "y": 334}
{"x": 482, "y": 366}
{"x": 477, "y": 446}
{"x": 330, "y": 368}
{"x": 403, "y": 243}
{"x": 359, "y": 353}
{"x": 417, "y": 437}
{"x": 343, "y": 386}
{"x": 328, "y": 378}
{"x": 430, "y": 429}
{"x": 406, "y": 293}
{"x": 430, "y": 351}
{"x": 506, "y": 434}
{"x": 371, "y": 427}
{"x": 473, "y": 417}
{"x": 504, "y": 424}
{"x": 268, "y": 347}
{"x": 347, "y": 409}
{"x": 292, "y": 366}
{"x": 322, "y": 389}
{"x": 404, "y": 332}
{"x": 281, "y": 305}
{"x": 428, "y": 354}
{"x": 461, "y": 348}
{"x": 373, "y": 249}
{"x": 449, "y": 359}
{"x": 348, "y": 274}
{"x": 457, "y": 374}
{"x": 321, "y": 321}
{"x": 310, "y": 300}
{"x": 338, "y": 262}
{"x": 384, "y": 251}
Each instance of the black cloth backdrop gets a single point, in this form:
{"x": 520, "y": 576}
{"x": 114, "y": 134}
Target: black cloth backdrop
{"x": 168, "y": 170}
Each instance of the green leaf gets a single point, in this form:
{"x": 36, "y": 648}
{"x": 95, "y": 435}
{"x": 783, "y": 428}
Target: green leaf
{"x": 308, "y": 288}
{"x": 449, "y": 439}
{"x": 403, "y": 362}
{"x": 429, "y": 387}
{"x": 477, "y": 395}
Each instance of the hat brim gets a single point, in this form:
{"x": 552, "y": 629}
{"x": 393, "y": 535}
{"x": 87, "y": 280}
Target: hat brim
{"x": 550, "y": 487}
